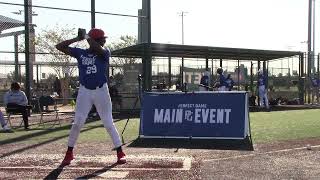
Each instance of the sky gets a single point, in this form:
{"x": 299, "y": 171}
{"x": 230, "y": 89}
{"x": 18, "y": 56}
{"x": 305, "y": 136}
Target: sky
{"x": 255, "y": 24}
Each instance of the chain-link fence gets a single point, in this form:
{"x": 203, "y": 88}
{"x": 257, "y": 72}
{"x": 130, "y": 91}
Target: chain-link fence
{"x": 31, "y": 28}
{"x": 44, "y": 24}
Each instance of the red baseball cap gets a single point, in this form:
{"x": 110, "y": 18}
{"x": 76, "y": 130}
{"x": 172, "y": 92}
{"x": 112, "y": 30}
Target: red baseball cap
{"x": 96, "y": 33}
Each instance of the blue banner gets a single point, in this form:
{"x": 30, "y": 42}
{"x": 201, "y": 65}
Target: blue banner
{"x": 198, "y": 114}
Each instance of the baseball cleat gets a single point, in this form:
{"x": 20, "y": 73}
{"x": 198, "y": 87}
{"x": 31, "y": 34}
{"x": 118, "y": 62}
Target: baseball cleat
{"x": 67, "y": 159}
{"x": 121, "y": 158}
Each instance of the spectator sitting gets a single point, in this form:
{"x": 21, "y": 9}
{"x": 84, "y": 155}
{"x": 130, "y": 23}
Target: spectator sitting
{"x": 294, "y": 102}
{"x": 252, "y": 100}
{"x": 114, "y": 94}
{"x": 16, "y": 100}
{"x": 274, "y": 102}
{"x": 57, "y": 86}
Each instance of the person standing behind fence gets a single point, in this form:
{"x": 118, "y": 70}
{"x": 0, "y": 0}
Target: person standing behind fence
{"x": 229, "y": 82}
{"x": 57, "y": 86}
{"x": 221, "y": 84}
{"x": 315, "y": 88}
{"x": 204, "y": 82}
{"x": 263, "y": 96}
{"x": 17, "y": 100}
{"x": 92, "y": 64}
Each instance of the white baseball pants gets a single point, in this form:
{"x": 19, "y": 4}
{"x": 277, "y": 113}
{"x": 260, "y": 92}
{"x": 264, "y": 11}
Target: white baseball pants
{"x": 100, "y": 97}
{"x": 263, "y": 96}
{"x": 2, "y": 121}
{"x": 222, "y": 88}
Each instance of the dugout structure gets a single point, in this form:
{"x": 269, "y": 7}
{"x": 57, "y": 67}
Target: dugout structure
{"x": 148, "y": 51}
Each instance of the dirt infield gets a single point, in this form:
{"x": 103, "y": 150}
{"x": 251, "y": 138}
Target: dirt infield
{"x": 165, "y": 160}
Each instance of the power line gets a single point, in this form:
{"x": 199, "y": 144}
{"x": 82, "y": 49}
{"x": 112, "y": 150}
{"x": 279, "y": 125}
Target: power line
{"x": 75, "y": 10}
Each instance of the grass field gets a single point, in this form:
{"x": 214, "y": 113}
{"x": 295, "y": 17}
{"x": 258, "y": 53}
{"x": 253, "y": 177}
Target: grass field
{"x": 285, "y": 125}
{"x": 265, "y": 127}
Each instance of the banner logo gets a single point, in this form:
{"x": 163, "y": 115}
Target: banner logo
{"x": 196, "y": 113}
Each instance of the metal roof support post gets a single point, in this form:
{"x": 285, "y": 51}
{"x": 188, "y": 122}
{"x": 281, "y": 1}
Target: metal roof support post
{"x": 318, "y": 69}
{"x": 301, "y": 79}
{"x": 251, "y": 77}
{"x": 147, "y": 65}
{"x": 37, "y": 66}
{"x": 265, "y": 72}
{"x": 93, "y": 14}
{"x": 181, "y": 71}
{"x": 238, "y": 75}
{"x": 20, "y": 77}
{"x": 16, "y": 58}
{"x": 207, "y": 64}
{"x": 308, "y": 76}
{"x": 221, "y": 63}
{"x": 169, "y": 71}
{"x": 27, "y": 53}
{"x": 258, "y": 81}
{"x": 211, "y": 71}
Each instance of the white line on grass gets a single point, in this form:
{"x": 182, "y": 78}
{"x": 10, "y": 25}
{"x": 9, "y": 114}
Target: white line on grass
{"x": 263, "y": 153}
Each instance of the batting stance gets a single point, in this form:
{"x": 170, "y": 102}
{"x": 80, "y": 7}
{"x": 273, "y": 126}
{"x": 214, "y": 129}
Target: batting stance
{"x": 262, "y": 81}
{"x": 92, "y": 64}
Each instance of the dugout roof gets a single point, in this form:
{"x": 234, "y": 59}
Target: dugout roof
{"x": 8, "y": 23}
{"x": 188, "y": 51}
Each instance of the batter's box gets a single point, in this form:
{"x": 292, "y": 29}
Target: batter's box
{"x": 97, "y": 162}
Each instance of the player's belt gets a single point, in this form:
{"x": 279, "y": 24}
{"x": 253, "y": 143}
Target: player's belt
{"x": 94, "y": 88}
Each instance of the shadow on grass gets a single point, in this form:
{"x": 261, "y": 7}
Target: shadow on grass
{"x": 33, "y": 134}
{"x": 41, "y": 143}
{"x": 36, "y": 134}
{"x": 218, "y": 144}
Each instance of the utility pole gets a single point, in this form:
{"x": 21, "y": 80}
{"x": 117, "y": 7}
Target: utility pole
{"x": 313, "y": 33}
{"x": 309, "y": 64}
{"x": 182, "y": 14}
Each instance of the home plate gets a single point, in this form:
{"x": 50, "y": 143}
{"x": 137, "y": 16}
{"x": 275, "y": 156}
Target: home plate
{"x": 114, "y": 174}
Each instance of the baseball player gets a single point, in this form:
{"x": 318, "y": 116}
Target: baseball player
{"x": 92, "y": 64}
{"x": 229, "y": 82}
{"x": 204, "y": 82}
{"x": 315, "y": 86}
{"x": 262, "y": 80}
{"x": 222, "y": 86}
